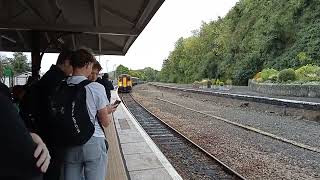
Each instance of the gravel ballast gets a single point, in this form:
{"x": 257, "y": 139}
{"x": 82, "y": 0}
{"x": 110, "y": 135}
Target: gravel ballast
{"x": 254, "y": 156}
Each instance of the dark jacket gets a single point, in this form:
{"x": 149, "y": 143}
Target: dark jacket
{"x": 34, "y": 109}
{"x": 17, "y": 149}
{"x": 107, "y": 85}
{"x": 34, "y": 106}
{"x": 5, "y": 90}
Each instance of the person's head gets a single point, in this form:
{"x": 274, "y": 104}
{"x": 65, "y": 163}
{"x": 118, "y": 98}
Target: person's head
{"x": 18, "y": 92}
{"x": 106, "y": 76}
{"x": 64, "y": 62}
{"x": 32, "y": 79}
{"x": 96, "y": 68}
{"x": 82, "y": 61}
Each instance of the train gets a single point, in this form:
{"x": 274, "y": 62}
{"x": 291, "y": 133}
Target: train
{"x": 124, "y": 83}
{"x": 135, "y": 81}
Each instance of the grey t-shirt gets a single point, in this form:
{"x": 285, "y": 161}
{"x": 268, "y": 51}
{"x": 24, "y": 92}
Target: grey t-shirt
{"x": 96, "y": 100}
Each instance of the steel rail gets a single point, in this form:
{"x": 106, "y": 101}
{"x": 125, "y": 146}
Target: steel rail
{"x": 226, "y": 167}
{"x": 256, "y": 130}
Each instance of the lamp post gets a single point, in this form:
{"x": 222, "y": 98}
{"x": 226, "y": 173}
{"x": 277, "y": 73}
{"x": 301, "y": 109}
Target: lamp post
{"x": 107, "y": 65}
{"x": 114, "y": 71}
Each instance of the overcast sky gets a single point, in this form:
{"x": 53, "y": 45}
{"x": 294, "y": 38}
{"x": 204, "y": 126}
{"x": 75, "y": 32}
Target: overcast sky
{"x": 175, "y": 19}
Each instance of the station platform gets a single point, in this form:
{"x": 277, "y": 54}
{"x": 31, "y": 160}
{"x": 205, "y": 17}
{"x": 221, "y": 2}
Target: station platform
{"x": 132, "y": 154}
{"x": 242, "y": 91}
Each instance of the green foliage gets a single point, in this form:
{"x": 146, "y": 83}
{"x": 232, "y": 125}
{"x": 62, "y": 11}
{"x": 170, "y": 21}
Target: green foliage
{"x": 273, "y": 78}
{"x": 268, "y": 74}
{"x": 213, "y": 81}
{"x": 254, "y": 35}
{"x": 19, "y": 63}
{"x": 146, "y": 74}
{"x": 122, "y": 70}
{"x": 308, "y": 73}
{"x": 287, "y": 75}
{"x": 229, "y": 82}
{"x": 217, "y": 82}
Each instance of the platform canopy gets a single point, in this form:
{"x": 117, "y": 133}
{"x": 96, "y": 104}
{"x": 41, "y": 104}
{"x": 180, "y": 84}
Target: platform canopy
{"x": 106, "y": 26}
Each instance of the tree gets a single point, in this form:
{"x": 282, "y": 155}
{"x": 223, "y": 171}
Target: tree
{"x": 255, "y": 34}
{"x": 19, "y": 63}
{"x": 150, "y": 74}
{"x": 122, "y": 70}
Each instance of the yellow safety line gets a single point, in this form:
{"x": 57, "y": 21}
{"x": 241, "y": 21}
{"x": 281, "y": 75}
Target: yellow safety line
{"x": 300, "y": 145}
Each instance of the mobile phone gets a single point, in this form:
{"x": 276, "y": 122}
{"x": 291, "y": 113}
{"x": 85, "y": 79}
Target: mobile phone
{"x": 117, "y": 102}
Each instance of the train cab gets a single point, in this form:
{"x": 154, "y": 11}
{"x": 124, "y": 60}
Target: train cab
{"x": 124, "y": 83}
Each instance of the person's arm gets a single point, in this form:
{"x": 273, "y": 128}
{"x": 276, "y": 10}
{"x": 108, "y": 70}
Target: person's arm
{"x": 104, "y": 115}
{"x": 41, "y": 153}
{"x": 103, "y": 109}
{"x": 17, "y": 150}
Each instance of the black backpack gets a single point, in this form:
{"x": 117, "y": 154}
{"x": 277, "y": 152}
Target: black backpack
{"x": 69, "y": 121}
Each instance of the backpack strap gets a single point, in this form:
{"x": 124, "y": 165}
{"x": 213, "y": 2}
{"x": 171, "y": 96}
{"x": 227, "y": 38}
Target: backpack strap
{"x": 84, "y": 83}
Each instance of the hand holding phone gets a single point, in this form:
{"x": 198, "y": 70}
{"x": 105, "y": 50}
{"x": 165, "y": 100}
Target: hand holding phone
{"x": 116, "y": 103}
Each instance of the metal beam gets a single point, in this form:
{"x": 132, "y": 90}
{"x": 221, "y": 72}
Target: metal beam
{"x": 1, "y": 47}
{"x": 74, "y": 41}
{"x": 9, "y": 39}
{"x": 96, "y": 11}
{"x": 118, "y": 14}
{"x": 112, "y": 52}
{"x": 97, "y": 19}
{"x": 150, "y": 8}
{"x": 112, "y": 43}
{"x": 47, "y": 37}
{"x": 99, "y": 43}
{"x": 34, "y": 10}
{"x": 112, "y": 31}
{"x": 35, "y": 54}
{"x": 22, "y": 39}
{"x": 140, "y": 19}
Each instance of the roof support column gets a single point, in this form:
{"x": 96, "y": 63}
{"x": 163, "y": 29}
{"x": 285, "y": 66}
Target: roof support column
{"x": 35, "y": 54}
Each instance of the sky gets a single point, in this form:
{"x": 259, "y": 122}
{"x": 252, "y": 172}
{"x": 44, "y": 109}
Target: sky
{"x": 174, "y": 19}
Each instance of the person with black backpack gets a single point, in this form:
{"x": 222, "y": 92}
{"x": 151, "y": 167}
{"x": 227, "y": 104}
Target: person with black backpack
{"x": 34, "y": 109}
{"x": 79, "y": 115}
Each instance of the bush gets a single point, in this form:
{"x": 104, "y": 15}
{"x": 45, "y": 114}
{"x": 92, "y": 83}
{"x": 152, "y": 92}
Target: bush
{"x": 206, "y": 82}
{"x": 273, "y": 78}
{"x": 308, "y": 73}
{"x": 257, "y": 76}
{"x": 196, "y": 84}
{"x": 268, "y": 74}
{"x": 260, "y": 80}
{"x": 217, "y": 82}
{"x": 229, "y": 82}
{"x": 287, "y": 75}
{"x": 213, "y": 81}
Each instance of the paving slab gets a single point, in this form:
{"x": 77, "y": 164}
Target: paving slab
{"x": 154, "y": 174}
{"x": 135, "y": 148}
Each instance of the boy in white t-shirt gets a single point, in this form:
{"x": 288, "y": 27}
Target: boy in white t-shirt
{"x": 90, "y": 158}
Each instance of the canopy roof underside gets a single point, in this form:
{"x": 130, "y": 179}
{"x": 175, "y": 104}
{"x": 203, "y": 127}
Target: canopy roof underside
{"x": 105, "y": 26}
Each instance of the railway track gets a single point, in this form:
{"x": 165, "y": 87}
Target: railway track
{"x": 249, "y": 128}
{"x": 314, "y": 106}
{"x": 189, "y": 159}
